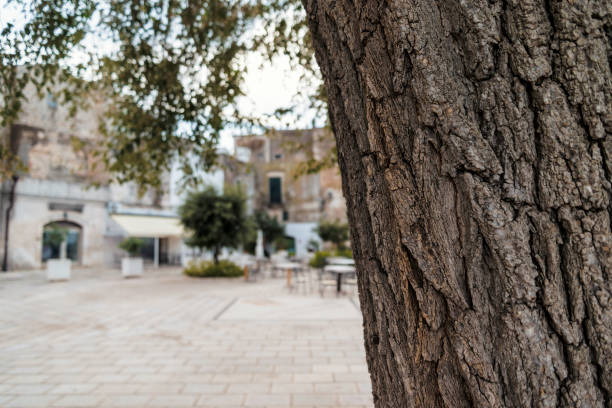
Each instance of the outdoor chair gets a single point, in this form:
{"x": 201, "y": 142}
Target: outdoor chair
{"x": 350, "y": 281}
{"x": 274, "y": 270}
{"x": 327, "y": 280}
{"x": 254, "y": 270}
{"x": 300, "y": 280}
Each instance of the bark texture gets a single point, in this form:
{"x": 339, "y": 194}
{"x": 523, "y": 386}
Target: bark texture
{"x": 475, "y": 145}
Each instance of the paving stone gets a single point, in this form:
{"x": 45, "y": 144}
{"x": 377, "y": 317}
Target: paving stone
{"x": 315, "y": 400}
{"x": 172, "y": 400}
{"x": 313, "y": 378}
{"x": 25, "y": 379}
{"x": 231, "y": 378}
{"x": 138, "y": 401}
{"x": 78, "y": 401}
{"x": 330, "y": 368}
{"x": 73, "y": 389}
{"x": 31, "y": 401}
{"x": 299, "y": 388}
{"x": 255, "y": 388}
{"x": 114, "y": 388}
{"x": 111, "y": 378}
{"x": 164, "y": 388}
{"x": 294, "y": 368}
{"x": 355, "y": 399}
{"x": 29, "y": 389}
{"x": 336, "y": 388}
{"x": 267, "y": 400}
{"x": 204, "y": 388}
{"x": 220, "y": 400}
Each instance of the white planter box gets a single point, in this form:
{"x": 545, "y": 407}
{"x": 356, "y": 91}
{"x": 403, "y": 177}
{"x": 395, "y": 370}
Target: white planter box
{"x": 131, "y": 267}
{"x": 58, "y": 269}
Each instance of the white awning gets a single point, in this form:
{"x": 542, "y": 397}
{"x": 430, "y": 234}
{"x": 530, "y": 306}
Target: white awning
{"x": 149, "y": 226}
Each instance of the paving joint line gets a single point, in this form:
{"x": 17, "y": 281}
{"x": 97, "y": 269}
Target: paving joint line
{"x": 225, "y": 308}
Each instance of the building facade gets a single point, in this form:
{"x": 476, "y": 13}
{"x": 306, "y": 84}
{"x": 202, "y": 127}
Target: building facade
{"x": 66, "y": 188}
{"x": 280, "y": 186}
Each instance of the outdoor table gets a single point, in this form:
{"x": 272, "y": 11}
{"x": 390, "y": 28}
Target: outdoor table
{"x": 337, "y": 260}
{"x": 340, "y": 270}
{"x": 289, "y": 267}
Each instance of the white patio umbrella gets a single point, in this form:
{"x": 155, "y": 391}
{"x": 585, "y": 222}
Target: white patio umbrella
{"x": 259, "y": 248}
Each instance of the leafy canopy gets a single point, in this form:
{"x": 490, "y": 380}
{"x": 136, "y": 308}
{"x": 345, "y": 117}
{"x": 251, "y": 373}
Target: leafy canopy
{"x": 171, "y": 71}
{"x": 334, "y": 232}
{"x": 215, "y": 220}
{"x": 55, "y": 235}
{"x": 272, "y": 229}
{"x": 131, "y": 245}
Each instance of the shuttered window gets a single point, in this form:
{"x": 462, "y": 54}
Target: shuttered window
{"x": 276, "y": 190}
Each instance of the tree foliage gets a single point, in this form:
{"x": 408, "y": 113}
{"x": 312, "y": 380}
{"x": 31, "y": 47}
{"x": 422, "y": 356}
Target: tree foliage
{"x": 35, "y": 52}
{"x": 56, "y": 235}
{"x": 335, "y": 232}
{"x": 272, "y": 229}
{"x": 131, "y": 245}
{"x": 215, "y": 220}
{"x": 172, "y": 71}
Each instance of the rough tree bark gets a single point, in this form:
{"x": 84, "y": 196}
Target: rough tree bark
{"x": 474, "y": 141}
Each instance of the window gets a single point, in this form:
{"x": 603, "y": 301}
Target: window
{"x": 278, "y": 156}
{"x": 276, "y": 190}
{"x": 55, "y": 234}
{"x": 285, "y": 216}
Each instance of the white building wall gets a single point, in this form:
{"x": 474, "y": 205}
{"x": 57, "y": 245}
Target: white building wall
{"x": 31, "y": 213}
{"x": 302, "y": 232}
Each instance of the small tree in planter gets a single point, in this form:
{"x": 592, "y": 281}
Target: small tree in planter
{"x": 132, "y": 266}
{"x": 58, "y": 269}
{"x": 215, "y": 220}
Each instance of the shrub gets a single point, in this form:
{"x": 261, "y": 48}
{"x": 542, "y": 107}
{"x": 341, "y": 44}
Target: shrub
{"x": 319, "y": 259}
{"x": 131, "y": 246}
{"x": 344, "y": 252}
{"x": 208, "y": 269}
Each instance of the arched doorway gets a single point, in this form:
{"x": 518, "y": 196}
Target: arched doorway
{"x": 53, "y": 235}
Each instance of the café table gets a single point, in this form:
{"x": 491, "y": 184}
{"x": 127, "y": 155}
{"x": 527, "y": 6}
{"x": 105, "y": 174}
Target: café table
{"x": 340, "y": 271}
{"x": 289, "y": 267}
{"x": 338, "y": 260}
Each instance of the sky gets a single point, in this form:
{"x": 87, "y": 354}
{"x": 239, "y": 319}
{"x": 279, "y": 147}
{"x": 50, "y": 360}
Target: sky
{"x": 267, "y": 88}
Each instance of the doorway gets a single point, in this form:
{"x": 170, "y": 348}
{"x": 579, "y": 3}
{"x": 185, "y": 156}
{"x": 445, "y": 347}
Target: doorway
{"x": 54, "y": 233}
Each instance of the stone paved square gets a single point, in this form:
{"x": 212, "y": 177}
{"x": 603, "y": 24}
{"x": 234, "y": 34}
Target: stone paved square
{"x": 166, "y": 340}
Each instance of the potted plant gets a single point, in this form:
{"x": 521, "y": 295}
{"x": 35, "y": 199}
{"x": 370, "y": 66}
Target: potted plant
{"x": 131, "y": 266}
{"x": 58, "y": 269}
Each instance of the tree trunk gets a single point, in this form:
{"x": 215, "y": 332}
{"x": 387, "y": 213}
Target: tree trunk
{"x": 474, "y": 141}
{"x": 7, "y": 222}
{"x": 216, "y": 252}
